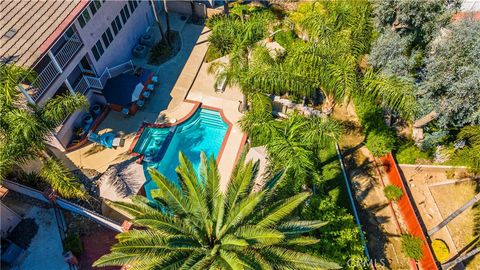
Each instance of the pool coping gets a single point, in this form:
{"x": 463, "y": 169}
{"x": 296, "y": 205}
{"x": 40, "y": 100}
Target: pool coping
{"x": 197, "y": 105}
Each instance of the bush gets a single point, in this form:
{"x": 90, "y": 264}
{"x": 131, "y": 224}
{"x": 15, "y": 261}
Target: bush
{"x": 393, "y": 192}
{"x": 441, "y": 250}
{"x": 285, "y": 38}
{"x": 159, "y": 51}
{"x": 408, "y": 153}
{"x": 412, "y": 247}
{"x": 212, "y": 54}
{"x": 380, "y": 142}
{"x": 73, "y": 243}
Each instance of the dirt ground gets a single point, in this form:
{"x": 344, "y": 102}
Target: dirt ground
{"x": 382, "y": 233}
{"x": 436, "y": 197}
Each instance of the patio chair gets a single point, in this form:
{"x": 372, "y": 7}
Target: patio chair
{"x": 140, "y": 103}
{"x": 150, "y": 87}
{"x": 146, "y": 94}
{"x": 126, "y": 112}
{"x": 155, "y": 79}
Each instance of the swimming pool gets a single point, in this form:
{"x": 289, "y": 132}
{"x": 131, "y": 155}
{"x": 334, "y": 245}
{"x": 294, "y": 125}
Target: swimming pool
{"x": 204, "y": 131}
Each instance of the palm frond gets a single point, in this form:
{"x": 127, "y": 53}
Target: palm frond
{"x": 61, "y": 179}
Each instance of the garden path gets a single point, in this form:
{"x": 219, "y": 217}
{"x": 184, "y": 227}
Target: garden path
{"x": 377, "y": 217}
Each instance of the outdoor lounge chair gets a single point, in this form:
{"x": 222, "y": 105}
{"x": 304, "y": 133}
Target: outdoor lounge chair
{"x": 108, "y": 139}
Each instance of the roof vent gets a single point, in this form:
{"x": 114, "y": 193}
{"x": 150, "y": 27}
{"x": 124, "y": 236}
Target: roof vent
{"x": 10, "y": 33}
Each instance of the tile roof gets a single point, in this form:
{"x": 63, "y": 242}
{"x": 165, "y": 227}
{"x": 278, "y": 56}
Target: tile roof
{"x": 29, "y": 28}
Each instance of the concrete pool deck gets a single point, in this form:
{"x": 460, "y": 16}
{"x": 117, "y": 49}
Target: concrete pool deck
{"x": 183, "y": 77}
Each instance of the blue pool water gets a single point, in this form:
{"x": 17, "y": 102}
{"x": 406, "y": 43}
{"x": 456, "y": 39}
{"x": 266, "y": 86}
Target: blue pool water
{"x": 204, "y": 131}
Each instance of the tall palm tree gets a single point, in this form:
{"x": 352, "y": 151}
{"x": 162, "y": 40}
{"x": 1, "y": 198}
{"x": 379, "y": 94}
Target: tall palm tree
{"x": 196, "y": 226}
{"x": 24, "y": 131}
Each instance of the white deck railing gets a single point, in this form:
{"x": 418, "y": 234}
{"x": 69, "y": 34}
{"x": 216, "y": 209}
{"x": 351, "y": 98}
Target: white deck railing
{"x": 43, "y": 81}
{"x": 68, "y": 50}
{"x": 99, "y": 82}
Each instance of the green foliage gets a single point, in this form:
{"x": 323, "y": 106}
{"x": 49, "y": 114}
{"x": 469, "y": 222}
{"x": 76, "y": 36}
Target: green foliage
{"x": 61, "y": 179}
{"x": 159, "y": 51}
{"x": 412, "y": 247}
{"x": 74, "y": 244}
{"x": 445, "y": 90}
{"x": 231, "y": 31}
{"x": 393, "y": 192}
{"x": 212, "y": 54}
{"x": 469, "y": 155}
{"x": 419, "y": 19}
{"x": 285, "y": 38}
{"x": 380, "y": 139}
{"x": 24, "y": 130}
{"x": 196, "y": 226}
{"x": 380, "y": 142}
{"x": 408, "y": 153}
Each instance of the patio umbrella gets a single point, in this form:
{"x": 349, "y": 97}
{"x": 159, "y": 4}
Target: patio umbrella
{"x": 136, "y": 93}
{"x": 121, "y": 180}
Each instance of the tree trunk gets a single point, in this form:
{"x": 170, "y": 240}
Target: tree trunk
{"x": 157, "y": 19}
{"x": 167, "y": 17}
{"x": 244, "y": 106}
{"x": 420, "y": 123}
{"x": 328, "y": 104}
{"x": 225, "y": 7}
{"x": 454, "y": 214}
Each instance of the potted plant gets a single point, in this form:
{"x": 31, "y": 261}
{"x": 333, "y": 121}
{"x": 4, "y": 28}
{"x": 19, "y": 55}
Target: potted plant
{"x": 88, "y": 119}
{"x": 79, "y": 131}
{"x": 96, "y": 109}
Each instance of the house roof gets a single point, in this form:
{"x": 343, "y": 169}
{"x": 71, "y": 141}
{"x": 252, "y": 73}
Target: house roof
{"x": 29, "y": 28}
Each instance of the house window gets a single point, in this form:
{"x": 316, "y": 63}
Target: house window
{"x": 92, "y": 7}
{"x": 132, "y": 6}
{"x": 124, "y": 16}
{"x": 84, "y": 18}
{"x": 116, "y": 25}
{"x": 99, "y": 47}
{"x": 119, "y": 24}
{"x": 109, "y": 35}
{"x": 95, "y": 53}
{"x": 98, "y": 50}
{"x": 106, "y": 42}
{"x": 126, "y": 11}
{"x": 107, "y": 38}
{"x": 98, "y": 4}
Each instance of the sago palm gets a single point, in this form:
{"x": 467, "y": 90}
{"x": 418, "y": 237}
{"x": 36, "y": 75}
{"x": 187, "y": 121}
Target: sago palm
{"x": 25, "y": 129}
{"x": 197, "y": 226}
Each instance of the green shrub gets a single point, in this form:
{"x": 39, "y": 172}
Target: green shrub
{"x": 412, "y": 247}
{"x": 408, "y": 153}
{"x": 380, "y": 142}
{"x": 73, "y": 243}
{"x": 159, "y": 51}
{"x": 440, "y": 249}
{"x": 285, "y": 38}
{"x": 393, "y": 192}
{"x": 212, "y": 54}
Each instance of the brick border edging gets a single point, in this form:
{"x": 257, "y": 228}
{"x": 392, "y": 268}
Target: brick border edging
{"x": 411, "y": 219}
